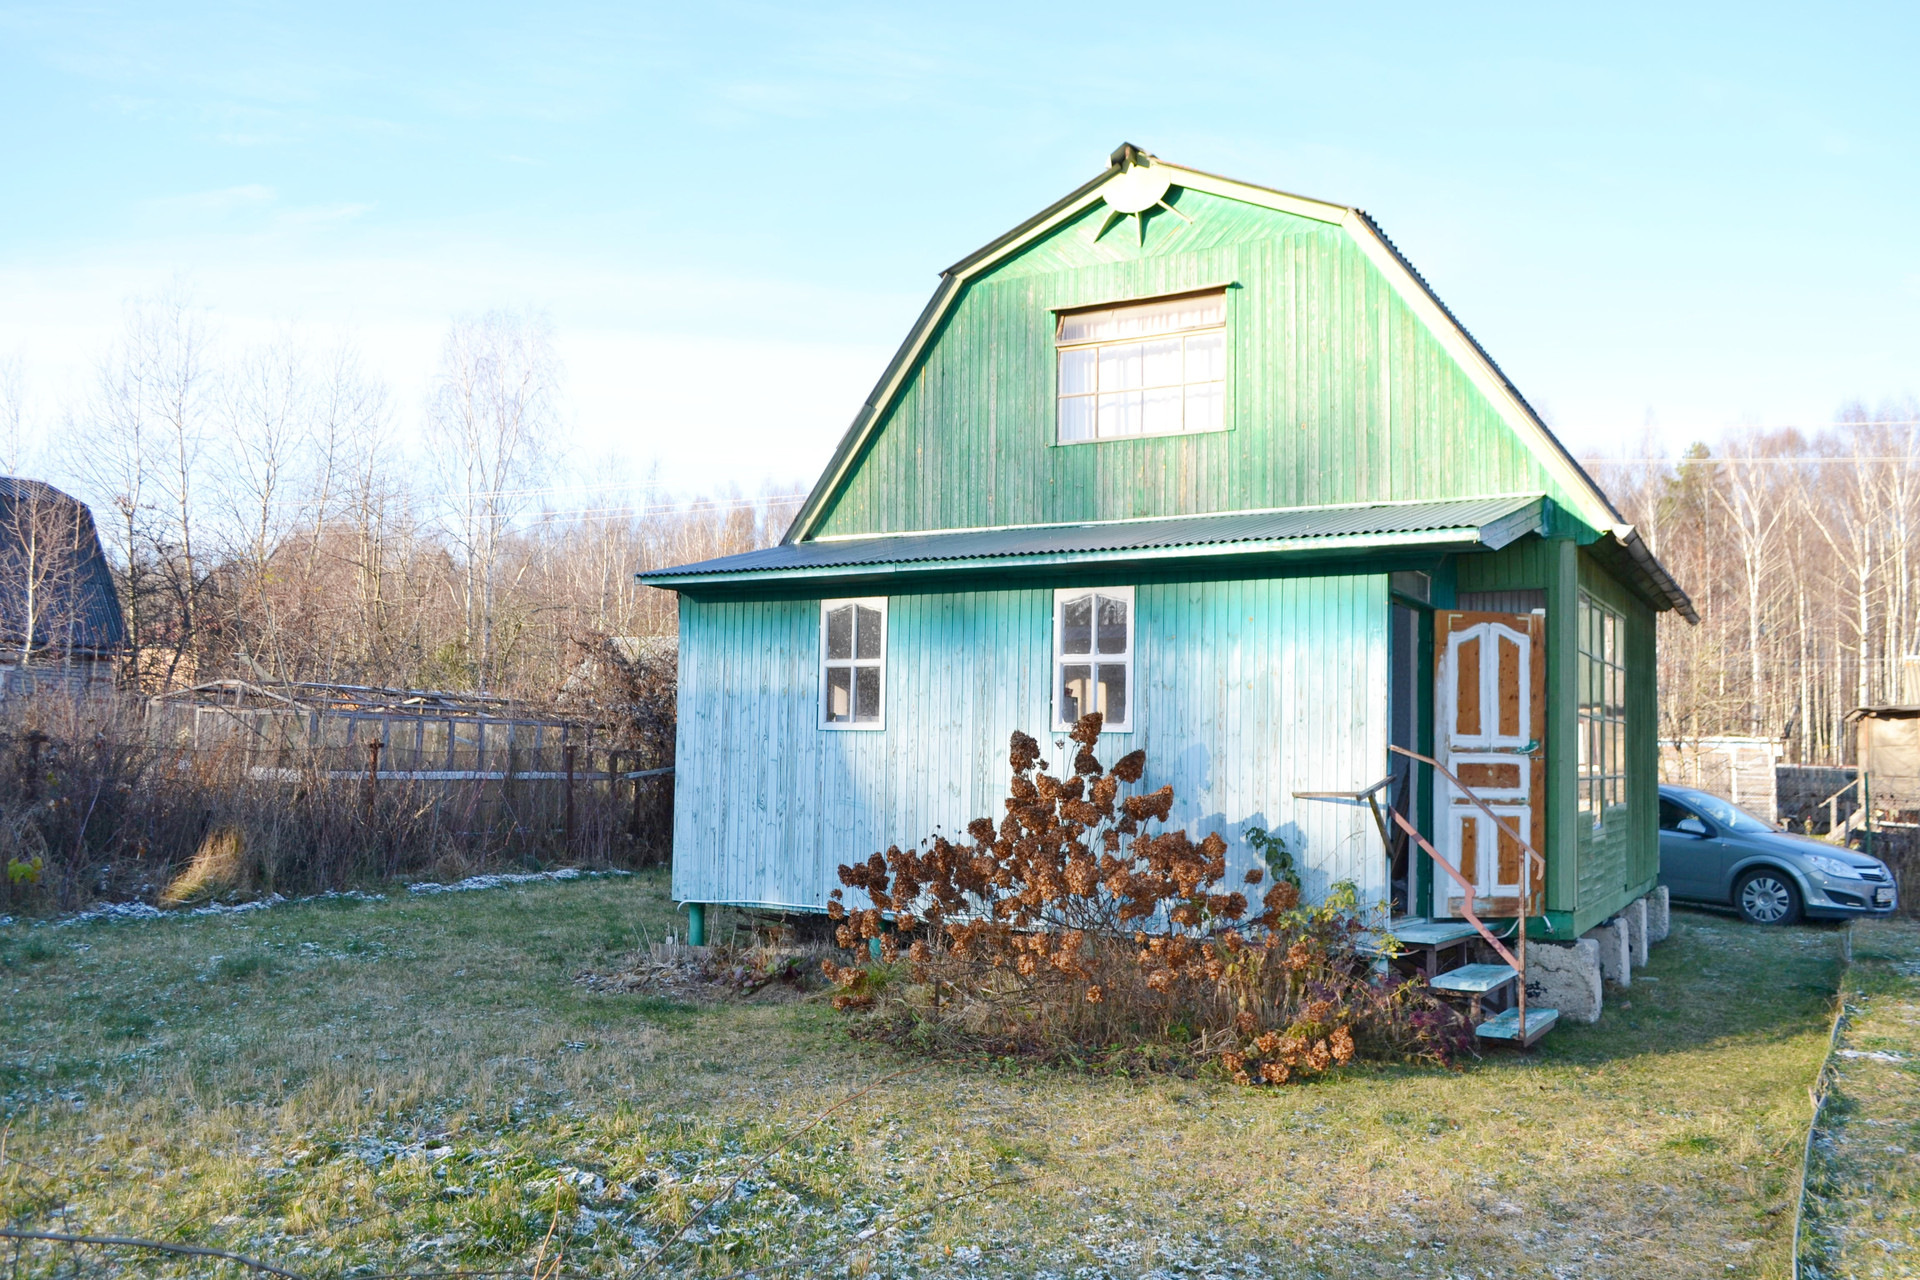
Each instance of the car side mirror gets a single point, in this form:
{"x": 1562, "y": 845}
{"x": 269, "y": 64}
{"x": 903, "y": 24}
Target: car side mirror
{"x": 1691, "y": 826}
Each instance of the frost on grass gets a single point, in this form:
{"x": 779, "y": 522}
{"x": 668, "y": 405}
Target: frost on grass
{"x": 502, "y": 879}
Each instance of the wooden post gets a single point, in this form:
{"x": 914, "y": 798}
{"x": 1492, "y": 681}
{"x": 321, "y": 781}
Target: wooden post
{"x": 633, "y": 820}
{"x": 568, "y": 749}
{"x": 373, "y": 774}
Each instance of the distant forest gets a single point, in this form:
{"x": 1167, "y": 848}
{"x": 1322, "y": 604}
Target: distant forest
{"x": 1801, "y": 550}
{"x": 264, "y": 523}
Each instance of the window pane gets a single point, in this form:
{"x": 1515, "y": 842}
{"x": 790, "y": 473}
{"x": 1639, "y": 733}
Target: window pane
{"x": 867, "y": 693}
{"x": 1160, "y": 364}
{"x": 840, "y": 632}
{"x": 1160, "y": 411}
{"x": 1113, "y": 626}
{"x": 839, "y": 694}
{"x": 1206, "y": 357}
{"x": 1077, "y": 369}
{"x": 1076, "y": 419}
{"x": 869, "y": 633}
{"x": 1074, "y": 691}
{"x": 1076, "y": 624}
{"x": 1120, "y": 414}
{"x": 1113, "y": 693}
{"x": 1145, "y": 318}
{"x": 1206, "y": 407}
{"x": 1120, "y": 367}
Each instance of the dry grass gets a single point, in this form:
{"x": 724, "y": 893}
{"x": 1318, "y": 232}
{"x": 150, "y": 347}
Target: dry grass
{"x": 359, "y": 1086}
{"x": 1863, "y": 1183}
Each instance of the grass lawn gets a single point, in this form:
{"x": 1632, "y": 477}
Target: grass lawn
{"x": 1863, "y": 1181}
{"x": 352, "y": 1087}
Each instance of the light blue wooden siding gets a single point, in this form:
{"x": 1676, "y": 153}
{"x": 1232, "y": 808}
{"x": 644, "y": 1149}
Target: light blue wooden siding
{"x": 1247, "y": 691}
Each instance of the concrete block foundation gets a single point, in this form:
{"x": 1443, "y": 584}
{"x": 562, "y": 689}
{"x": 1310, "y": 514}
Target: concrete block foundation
{"x": 1659, "y": 915}
{"x": 1635, "y": 917}
{"x": 1565, "y": 976}
{"x": 1616, "y": 956}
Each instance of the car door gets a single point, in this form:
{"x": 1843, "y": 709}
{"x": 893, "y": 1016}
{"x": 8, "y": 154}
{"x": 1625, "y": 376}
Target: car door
{"x": 1690, "y": 858}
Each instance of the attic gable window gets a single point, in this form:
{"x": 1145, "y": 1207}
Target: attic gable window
{"x": 1145, "y": 369}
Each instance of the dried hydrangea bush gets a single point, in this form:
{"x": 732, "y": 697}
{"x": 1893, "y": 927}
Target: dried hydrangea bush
{"x": 1079, "y": 928}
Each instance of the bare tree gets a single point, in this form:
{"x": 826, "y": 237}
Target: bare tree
{"x": 492, "y": 413}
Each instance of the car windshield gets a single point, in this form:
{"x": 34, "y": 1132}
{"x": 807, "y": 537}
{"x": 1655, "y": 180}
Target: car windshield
{"x": 1730, "y": 816}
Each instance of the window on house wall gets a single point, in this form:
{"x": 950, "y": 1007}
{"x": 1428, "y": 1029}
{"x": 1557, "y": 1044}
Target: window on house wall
{"x": 1144, "y": 369}
{"x": 1093, "y": 656}
{"x": 1602, "y": 679}
{"x": 853, "y": 663}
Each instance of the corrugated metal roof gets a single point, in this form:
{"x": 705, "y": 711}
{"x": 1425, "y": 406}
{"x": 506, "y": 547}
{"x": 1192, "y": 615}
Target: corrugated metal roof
{"x": 1491, "y": 521}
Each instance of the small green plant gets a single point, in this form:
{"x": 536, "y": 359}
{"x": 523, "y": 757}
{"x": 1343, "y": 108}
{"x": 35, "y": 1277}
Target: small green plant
{"x": 1274, "y": 852}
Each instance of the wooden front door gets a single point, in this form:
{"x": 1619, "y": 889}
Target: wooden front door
{"x": 1490, "y": 709}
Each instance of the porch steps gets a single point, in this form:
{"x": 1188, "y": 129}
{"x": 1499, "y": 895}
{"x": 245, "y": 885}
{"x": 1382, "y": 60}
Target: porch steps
{"x": 1431, "y": 933}
{"x": 1506, "y": 1026}
{"x": 1473, "y": 979}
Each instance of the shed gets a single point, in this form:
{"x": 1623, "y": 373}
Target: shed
{"x": 60, "y": 619}
{"x": 1743, "y": 770}
{"x": 1213, "y": 460}
{"x": 1887, "y": 751}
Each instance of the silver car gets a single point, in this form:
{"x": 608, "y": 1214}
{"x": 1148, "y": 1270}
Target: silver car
{"x": 1713, "y": 851}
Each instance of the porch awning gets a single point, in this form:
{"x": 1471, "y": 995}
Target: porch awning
{"x": 1284, "y": 533}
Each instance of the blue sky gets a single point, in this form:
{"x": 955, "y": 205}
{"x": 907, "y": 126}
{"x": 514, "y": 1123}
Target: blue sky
{"x": 1690, "y": 217}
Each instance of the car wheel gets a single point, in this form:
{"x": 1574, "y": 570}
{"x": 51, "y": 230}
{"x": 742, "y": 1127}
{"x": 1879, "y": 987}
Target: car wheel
{"x": 1767, "y": 896}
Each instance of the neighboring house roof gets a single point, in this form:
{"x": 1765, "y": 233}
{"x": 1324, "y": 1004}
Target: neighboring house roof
{"x": 75, "y": 605}
{"x": 1477, "y": 523}
{"x": 1591, "y": 504}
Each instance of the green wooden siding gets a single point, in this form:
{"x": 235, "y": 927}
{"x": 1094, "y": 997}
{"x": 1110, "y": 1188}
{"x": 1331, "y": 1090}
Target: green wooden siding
{"x": 1336, "y": 391}
{"x": 1246, "y": 692}
{"x": 1590, "y": 875}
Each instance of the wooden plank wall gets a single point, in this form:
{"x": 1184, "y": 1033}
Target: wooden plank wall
{"x": 1247, "y": 691}
{"x": 1337, "y": 392}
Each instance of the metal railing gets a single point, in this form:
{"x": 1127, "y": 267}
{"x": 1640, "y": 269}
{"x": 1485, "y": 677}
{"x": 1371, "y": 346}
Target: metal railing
{"x": 1533, "y": 858}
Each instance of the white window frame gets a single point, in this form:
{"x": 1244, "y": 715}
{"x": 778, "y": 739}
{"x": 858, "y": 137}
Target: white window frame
{"x": 827, "y": 664}
{"x": 1060, "y": 659}
{"x": 1601, "y": 701}
{"x": 1062, "y": 348}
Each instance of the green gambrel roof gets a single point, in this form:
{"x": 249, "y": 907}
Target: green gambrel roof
{"x": 1476, "y": 523}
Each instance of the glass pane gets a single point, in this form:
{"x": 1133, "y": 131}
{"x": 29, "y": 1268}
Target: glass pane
{"x": 1206, "y": 357}
{"x": 1074, "y": 692}
{"x": 1076, "y": 624}
{"x": 1076, "y": 419}
{"x": 1160, "y": 413}
{"x": 1120, "y": 414}
{"x": 869, "y": 633}
{"x": 867, "y": 694}
{"x": 839, "y": 694}
{"x": 1113, "y": 626}
{"x": 1206, "y": 407}
{"x": 1077, "y": 369}
{"x": 1144, "y": 318}
{"x": 1160, "y": 364}
{"x": 840, "y": 632}
{"x": 1608, "y": 636}
{"x": 1113, "y": 693}
{"x": 1120, "y": 367}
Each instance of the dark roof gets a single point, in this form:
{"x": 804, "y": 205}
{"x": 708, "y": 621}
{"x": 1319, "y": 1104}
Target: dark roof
{"x": 1486, "y": 522}
{"x": 76, "y": 606}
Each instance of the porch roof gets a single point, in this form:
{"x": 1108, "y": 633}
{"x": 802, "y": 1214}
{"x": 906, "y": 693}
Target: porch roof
{"x": 1459, "y": 524}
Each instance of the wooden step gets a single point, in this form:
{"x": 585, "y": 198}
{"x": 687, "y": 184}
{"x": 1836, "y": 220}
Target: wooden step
{"x": 1506, "y": 1026}
{"x": 1474, "y": 979}
{"x": 1429, "y": 933}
